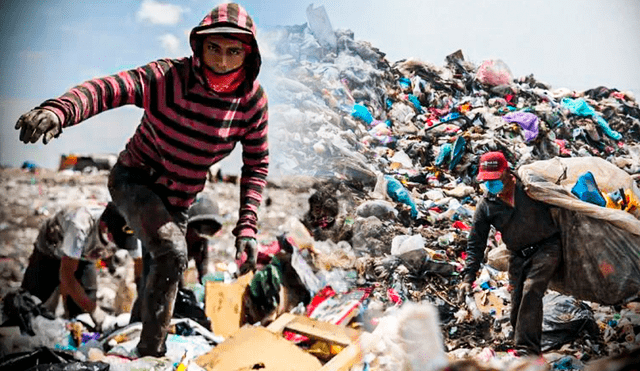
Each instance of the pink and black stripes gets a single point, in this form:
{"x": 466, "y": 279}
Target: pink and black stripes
{"x": 185, "y": 128}
{"x": 230, "y": 13}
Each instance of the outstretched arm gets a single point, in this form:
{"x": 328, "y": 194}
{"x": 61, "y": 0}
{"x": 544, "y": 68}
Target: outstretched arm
{"x": 87, "y": 100}
{"x": 98, "y": 95}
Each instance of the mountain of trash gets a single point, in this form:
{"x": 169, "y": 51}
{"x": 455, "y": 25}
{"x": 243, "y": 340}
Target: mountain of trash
{"x": 398, "y": 145}
{"x": 333, "y": 105}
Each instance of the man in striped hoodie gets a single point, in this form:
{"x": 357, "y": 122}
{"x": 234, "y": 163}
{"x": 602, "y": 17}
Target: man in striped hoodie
{"x": 196, "y": 109}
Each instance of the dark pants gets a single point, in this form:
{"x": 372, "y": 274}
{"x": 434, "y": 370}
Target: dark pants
{"x": 136, "y": 310}
{"x": 161, "y": 229}
{"x": 530, "y": 277}
{"x": 42, "y": 277}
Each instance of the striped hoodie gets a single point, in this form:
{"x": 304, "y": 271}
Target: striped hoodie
{"x": 186, "y": 127}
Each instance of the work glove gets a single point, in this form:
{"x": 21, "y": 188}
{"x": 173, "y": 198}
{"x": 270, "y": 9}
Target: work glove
{"x": 103, "y": 322}
{"x": 249, "y": 246}
{"x": 464, "y": 290}
{"x": 265, "y": 286}
{"x": 98, "y": 316}
{"x": 37, "y": 122}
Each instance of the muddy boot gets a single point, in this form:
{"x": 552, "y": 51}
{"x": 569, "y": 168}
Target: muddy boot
{"x": 158, "y": 303}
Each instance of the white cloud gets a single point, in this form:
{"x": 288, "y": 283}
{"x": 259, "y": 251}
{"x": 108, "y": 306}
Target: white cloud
{"x": 171, "y": 44}
{"x": 156, "y": 12}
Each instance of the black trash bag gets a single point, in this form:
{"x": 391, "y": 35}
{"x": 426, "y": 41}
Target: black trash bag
{"x": 20, "y": 308}
{"x": 187, "y": 306}
{"x": 75, "y": 366}
{"x": 565, "y": 319}
{"x": 46, "y": 359}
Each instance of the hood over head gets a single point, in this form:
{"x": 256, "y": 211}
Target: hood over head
{"x": 233, "y": 20}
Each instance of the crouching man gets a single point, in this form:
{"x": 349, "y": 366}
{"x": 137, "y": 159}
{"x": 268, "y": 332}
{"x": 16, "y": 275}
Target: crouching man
{"x": 63, "y": 262}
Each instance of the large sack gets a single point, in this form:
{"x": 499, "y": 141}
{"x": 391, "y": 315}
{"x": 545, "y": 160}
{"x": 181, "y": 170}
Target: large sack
{"x": 600, "y": 245}
{"x": 551, "y": 181}
{"x": 599, "y": 260}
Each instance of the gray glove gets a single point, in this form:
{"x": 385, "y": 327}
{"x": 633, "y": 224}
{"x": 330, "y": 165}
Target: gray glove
{"x": 98, "y": 316}
{"x": 250, "y": 247}
{"x": 464, "y": 290}
{"x": 37, "y": 122}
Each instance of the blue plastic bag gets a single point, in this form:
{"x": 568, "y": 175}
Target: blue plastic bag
{"x": 457, "y": 152}
{"x": 416, "y": 103}
{"x": 581, "y": 108}
{"x": 404, "y": 82}
{"x": 587, "y": 190}
{"x": 444, "y": 155}
{"x": 399, "y": 193}
{"x": 361, "y": 112}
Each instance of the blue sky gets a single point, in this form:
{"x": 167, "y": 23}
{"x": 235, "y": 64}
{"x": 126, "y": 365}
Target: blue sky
{"x": 49, "y": 46}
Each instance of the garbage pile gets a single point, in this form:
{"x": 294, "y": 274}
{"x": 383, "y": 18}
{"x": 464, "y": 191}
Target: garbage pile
{"x": 398, "y": 145}
{"x": 392, "y": 151}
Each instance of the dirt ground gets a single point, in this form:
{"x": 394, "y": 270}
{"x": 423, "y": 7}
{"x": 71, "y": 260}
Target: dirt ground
{"x": 28, "y": 198}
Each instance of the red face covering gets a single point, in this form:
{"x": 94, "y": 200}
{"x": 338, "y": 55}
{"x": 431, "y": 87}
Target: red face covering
{"x": 225, "y": 83}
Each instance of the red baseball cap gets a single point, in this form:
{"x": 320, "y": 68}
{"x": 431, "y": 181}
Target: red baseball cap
{"x": 492, "y": 165}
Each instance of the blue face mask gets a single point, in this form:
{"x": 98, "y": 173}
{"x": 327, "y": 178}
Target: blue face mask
{"x": 494, "y": 186}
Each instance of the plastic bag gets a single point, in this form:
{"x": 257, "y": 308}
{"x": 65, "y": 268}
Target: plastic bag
{"x": 399, "y": 193}
{"x": 565, "y": 319}
{"x": 550, "y": 181}
{"x": 187, "y": 306}
{"x": 587, "y": 190}
{"x": 46, "y": 359}
{"x": 320, "y": 26}
{"x": 378, "y": 208}
{"x": 457, "y": 152}
{"x": 404, "y": 243}
{"x": 581, "y": 108}
{"x": 361, "y": 112}
{"x": 494, "y": 72}
{"x": 527, "y": 121}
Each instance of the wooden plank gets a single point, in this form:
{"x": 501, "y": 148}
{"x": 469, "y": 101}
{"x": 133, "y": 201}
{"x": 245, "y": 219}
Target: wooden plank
{"x": 323, "y": 331}
{"x": 281, "y": 322}
{"x": 334, "y": 334}
{"x": 327, "y": 332}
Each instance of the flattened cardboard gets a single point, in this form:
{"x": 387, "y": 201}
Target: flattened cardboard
{"x": 223, "y": 304}
{"x": 488, "y": 301}
{"x": 257, "y": 348}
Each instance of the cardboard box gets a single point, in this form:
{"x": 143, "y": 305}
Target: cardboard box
{"x": 223, "y": 304}
{"x": 266, "y": 349}
{"x": 257, "y": 348}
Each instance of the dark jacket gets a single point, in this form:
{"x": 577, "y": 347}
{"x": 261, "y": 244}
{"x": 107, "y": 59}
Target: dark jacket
{"x": 522, "y": 226}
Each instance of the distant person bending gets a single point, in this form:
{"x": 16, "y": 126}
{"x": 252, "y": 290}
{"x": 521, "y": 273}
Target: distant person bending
{"x": 65, "y": 252}
{"x": 196, "y": 109}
